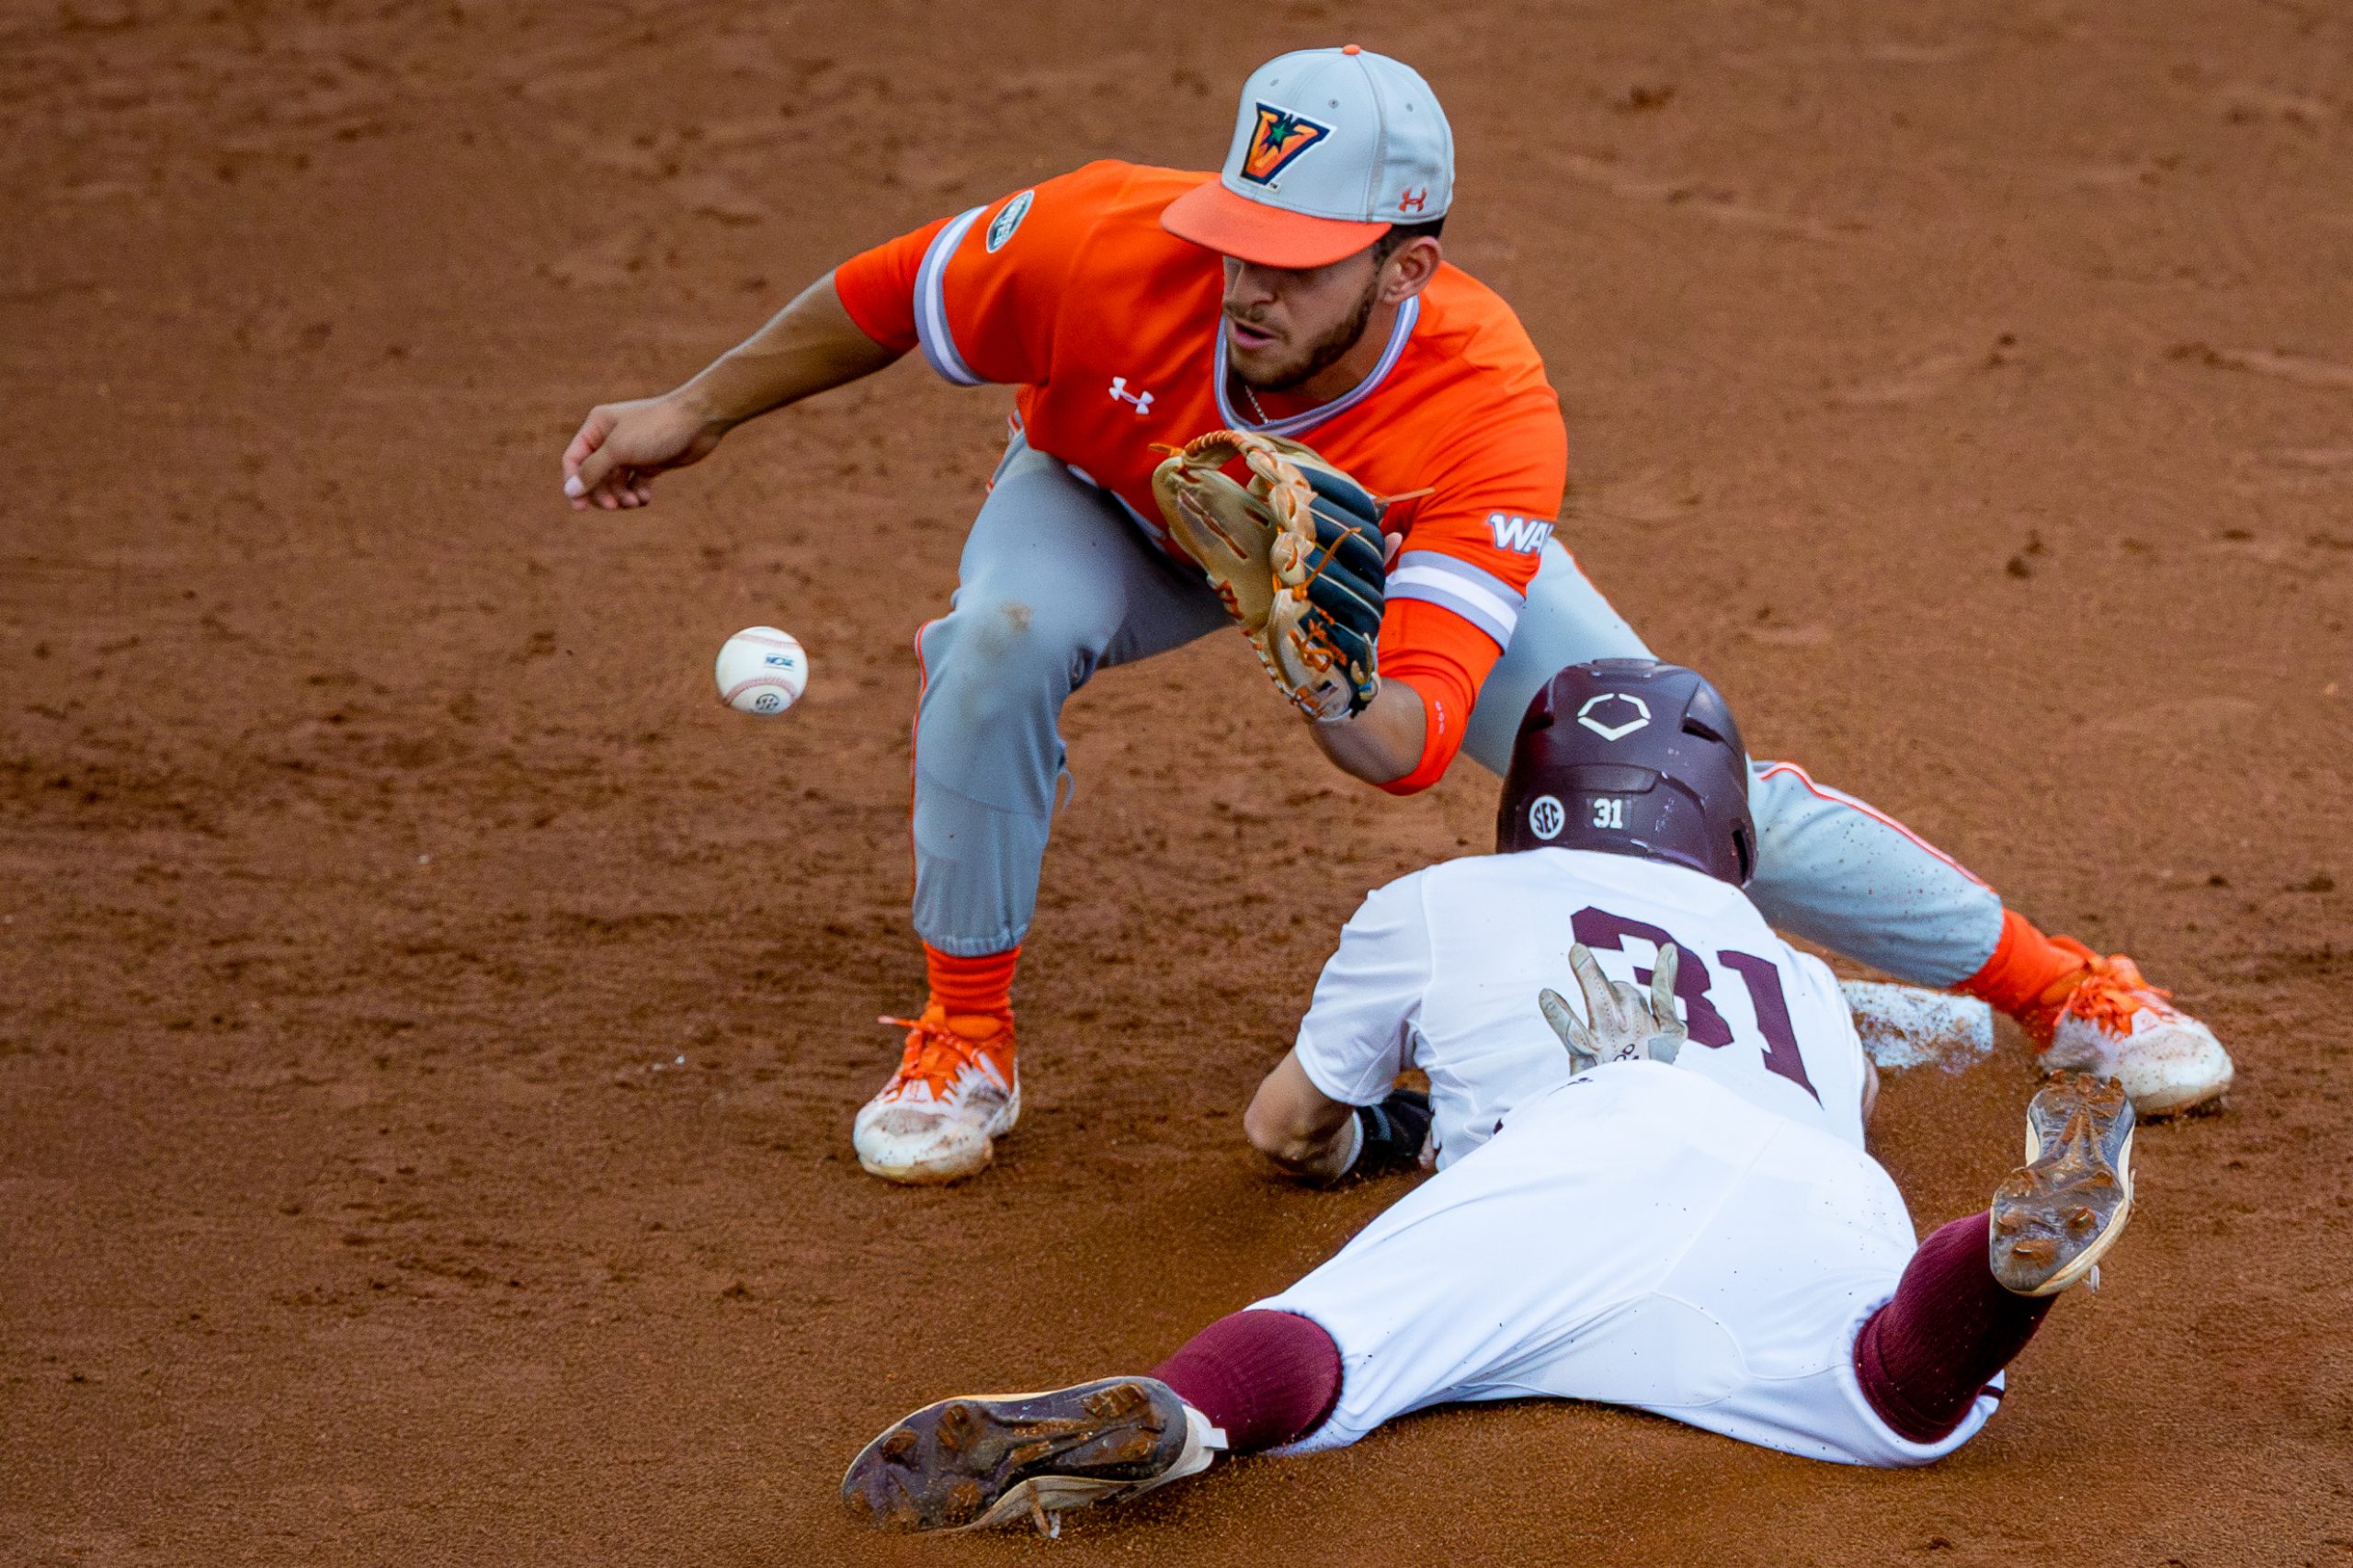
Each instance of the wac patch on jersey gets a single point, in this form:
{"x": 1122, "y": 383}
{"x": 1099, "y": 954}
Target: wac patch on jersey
{"x": 1525, "y": 535}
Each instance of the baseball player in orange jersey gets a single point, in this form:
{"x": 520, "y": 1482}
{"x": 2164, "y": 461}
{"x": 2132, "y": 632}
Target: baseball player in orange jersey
{"x": 1301, "y": 293}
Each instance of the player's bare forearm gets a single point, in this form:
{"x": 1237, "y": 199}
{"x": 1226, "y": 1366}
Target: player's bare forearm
{"x": 1381, "y": 744}
{"x": 1295, "y": 1124}
{"x": 810, "y": 345}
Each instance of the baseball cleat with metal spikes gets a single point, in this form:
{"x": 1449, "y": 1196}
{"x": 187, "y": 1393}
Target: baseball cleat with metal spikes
{"x": 2055, "y": 1215}
{"x": 983, "y": 1459}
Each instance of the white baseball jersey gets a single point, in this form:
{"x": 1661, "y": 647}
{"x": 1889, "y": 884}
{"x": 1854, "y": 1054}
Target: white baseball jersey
{"x": 1440, "y": 970}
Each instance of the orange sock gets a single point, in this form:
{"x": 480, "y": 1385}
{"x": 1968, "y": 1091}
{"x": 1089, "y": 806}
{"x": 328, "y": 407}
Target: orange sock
{"x": 969, "y": 987}
{"x": 2025, "y": 964}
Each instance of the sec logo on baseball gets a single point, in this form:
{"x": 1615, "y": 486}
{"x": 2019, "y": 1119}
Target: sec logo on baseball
{"x": 761, "y": 670}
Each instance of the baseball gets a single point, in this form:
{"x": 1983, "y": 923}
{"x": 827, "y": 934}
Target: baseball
{"x": 761, "y": 670}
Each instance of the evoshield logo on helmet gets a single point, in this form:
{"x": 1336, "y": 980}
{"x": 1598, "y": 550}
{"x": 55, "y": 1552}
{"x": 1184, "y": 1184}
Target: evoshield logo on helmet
{"x": 1280, "y": 137}
{"x": 1602, "y": 727}
{"x": 1546, "y": 817}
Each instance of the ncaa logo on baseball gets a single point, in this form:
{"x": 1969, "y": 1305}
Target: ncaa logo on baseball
{"x": 761, "y": 670}
{"x": 1001, "y": 229}
{"x": 1547, "y": 816}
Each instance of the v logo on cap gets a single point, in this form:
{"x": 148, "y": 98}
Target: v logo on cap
{"x": 1278, "y": 140}
{"x": 1382, "y": 155}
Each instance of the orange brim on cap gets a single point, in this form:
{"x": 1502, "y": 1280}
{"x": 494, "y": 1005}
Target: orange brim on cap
{"x": 1213, "y": 216}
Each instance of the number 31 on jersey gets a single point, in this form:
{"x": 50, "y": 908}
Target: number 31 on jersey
{"x": 1605, "y": 932}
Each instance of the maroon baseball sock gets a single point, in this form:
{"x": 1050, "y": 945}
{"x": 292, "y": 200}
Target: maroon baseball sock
{"x": 1924, "y": 1357}
{"x": 1266, "y": 1378}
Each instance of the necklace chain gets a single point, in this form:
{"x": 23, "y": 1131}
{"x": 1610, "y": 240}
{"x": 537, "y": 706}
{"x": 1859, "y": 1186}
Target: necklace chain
{"x": 1255, "y": 406}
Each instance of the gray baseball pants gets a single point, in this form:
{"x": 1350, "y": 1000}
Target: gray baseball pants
{"x": 1057, "y": 581}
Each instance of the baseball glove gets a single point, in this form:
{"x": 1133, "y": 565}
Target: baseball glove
{"x": 1296, "y": 554}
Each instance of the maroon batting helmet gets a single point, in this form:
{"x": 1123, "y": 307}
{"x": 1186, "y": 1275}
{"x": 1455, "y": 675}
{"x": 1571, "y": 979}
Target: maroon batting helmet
{"x": 1633, "y": 757}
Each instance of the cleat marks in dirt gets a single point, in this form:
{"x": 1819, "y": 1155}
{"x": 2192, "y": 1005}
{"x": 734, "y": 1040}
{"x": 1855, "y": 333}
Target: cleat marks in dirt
{"x": 1718, "y": 205}
{"x": 2300, "y": 370}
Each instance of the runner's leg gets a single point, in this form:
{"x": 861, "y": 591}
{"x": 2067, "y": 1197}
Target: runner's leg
{"x": 1264, "y": 1379}
{"x": 1923, "y": 1358}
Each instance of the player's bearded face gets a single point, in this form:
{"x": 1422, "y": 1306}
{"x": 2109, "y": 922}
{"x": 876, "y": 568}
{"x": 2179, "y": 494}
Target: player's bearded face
{"x": 1284, "y": 326}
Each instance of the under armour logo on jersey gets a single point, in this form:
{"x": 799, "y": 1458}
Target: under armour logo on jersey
{"x": 1607, "y": 715}
{"x": 1411, "y": 202}
{"x": 1525, "y": 535}
{"x": 1141, "y": 400}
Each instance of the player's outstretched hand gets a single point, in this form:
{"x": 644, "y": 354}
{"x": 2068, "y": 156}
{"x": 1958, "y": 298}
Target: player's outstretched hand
{"x": 621, "y": 446}
{"x": 1626, "y": 1026}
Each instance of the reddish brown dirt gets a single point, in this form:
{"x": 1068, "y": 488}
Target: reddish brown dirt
{"x": 429, "y": 1026}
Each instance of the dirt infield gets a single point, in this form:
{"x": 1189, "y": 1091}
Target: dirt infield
{"x": 429, "y": 1025}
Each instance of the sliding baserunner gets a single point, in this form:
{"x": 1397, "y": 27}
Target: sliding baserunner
{"x": 1673, "y": 1213}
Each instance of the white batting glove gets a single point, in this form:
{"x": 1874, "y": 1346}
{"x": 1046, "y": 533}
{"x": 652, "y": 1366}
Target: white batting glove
{"x": 1626, "y": 1026}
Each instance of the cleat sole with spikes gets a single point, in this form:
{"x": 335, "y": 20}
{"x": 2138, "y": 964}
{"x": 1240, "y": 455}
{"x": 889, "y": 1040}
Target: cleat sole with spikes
{"x": 2055, "y": 1215}
{"x": 986, "y": 1459}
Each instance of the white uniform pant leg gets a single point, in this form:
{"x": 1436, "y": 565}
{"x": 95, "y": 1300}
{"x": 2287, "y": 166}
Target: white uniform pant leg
{"x": 1811, "y": 1241}
{"x": 1643, "y": 1237}
{"x": 1830, "y": 867}
{"x": 1055, "y": 582}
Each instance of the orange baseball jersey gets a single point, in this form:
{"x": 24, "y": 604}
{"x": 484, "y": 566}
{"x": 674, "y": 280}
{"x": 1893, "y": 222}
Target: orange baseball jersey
{"x": 1109, "y": 326}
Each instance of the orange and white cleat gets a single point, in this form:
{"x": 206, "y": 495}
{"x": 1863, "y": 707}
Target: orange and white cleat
{"x": 956, "y": 1092}
{"x": 2106, "y": 1019}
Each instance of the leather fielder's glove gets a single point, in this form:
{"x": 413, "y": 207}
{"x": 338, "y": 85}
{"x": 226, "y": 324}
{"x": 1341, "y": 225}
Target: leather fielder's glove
{"x": 1296, "y": 555}
{"x": 1626, "y": 1025}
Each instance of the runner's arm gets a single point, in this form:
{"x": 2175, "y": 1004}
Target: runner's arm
{"x": 1353, "y": 1042}
{"x": 1299, "y": 1126}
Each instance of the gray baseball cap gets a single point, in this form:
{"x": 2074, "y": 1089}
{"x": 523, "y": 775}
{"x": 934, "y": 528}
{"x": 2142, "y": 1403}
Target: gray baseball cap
{"x": 1331, "y": 147}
